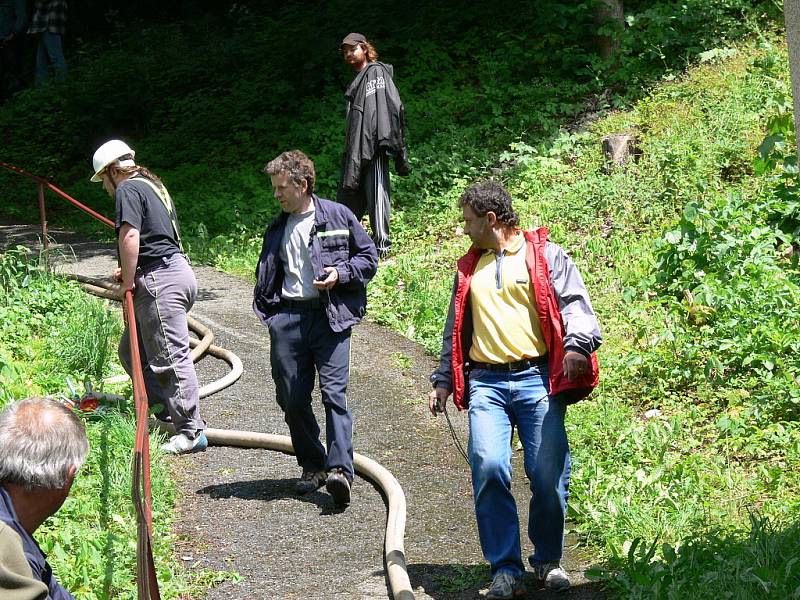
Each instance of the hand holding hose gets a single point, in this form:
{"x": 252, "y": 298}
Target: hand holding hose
{"x": 437, "y": 400}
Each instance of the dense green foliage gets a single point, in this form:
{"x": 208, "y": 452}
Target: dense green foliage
{"x": 690, "y": 253}
{"x": 49, "y": 331}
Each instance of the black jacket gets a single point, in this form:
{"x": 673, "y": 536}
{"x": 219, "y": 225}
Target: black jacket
{"x": 375, "y": 123}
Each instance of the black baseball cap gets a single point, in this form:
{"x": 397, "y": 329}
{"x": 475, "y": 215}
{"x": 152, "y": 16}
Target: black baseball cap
{"x": 351, "y": 39}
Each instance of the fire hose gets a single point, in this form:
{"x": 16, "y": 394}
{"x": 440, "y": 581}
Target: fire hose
{"x": 394, "y": 552}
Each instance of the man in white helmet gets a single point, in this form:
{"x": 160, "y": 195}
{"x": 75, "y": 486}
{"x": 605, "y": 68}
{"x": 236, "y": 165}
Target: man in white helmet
{"x": 153, "y": 265}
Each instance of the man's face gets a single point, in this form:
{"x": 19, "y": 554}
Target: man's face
{"x": 290, "y": 196}
{"x": 477, "y": 228}
{"x": 355, "y": 55}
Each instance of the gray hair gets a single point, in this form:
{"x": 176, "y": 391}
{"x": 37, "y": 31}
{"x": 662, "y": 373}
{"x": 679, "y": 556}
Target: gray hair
{"x": 39, "y": 441}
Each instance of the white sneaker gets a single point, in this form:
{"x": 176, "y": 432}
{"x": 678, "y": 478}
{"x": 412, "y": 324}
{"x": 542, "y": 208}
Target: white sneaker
{"x": 180, "y": 444}
{"x": 552, "y": 575}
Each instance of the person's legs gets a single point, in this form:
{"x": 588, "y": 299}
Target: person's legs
{"x": 155, "y": 394}
{"x": 162, "y": 300}
{"x": 42, "y": 64}
{"x": 490, "y": 425}
{"x": 377, "y": 188}
{"x": 547, "y": 462}
{"x": 55, "y": 53}
{"x": 332, "y": 359}
{"x": 293, "y": 372}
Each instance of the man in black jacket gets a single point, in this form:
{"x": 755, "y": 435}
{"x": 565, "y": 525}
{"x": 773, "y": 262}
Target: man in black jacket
{"x": 375, "y": 131}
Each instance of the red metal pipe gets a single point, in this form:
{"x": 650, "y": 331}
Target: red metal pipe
{"x": 43, "y": 217}
{"x": 58, "y": 192}
{"x": 147, "y": 581}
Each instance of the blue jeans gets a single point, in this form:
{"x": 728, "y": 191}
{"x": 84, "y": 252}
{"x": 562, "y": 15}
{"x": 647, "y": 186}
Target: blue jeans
{"x": 498, "y": 402}
{"x": 50, "y": 52}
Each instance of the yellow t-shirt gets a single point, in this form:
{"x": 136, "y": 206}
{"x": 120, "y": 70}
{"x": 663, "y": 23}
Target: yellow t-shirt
{"x": 506, "y": 327}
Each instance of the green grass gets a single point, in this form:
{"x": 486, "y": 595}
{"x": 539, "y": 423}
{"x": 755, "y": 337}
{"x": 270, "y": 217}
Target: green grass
{"x": 50, "y": 330}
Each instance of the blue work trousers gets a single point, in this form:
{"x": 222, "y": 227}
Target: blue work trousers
{"x": 499, "y": 401}
{"x": 302, "y": 344}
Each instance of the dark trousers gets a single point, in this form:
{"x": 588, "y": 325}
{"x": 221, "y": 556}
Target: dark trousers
{"x": 374, "y": 198}
{"x": 10, "y": 68}
{"x": 302, "y": 344}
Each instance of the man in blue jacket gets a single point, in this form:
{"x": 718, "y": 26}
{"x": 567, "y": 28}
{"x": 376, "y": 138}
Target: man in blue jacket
{"x": 310, "y": 290}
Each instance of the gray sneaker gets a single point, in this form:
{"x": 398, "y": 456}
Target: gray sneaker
{"x": 310, "y": 481}
{"x": 505, "y": 585}
{"x": 552, "y": 575}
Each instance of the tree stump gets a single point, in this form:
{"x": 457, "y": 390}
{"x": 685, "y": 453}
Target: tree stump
{"x": 620, "y": 148}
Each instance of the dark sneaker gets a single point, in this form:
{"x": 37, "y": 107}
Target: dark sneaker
{"x": 505, "y": 586}
{"x": 311, "y": 481}
{"x": 552, "y": 575}
{"x": 338, "y": 487}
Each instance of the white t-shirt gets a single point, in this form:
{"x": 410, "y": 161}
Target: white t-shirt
{"x": 297, "y": 268}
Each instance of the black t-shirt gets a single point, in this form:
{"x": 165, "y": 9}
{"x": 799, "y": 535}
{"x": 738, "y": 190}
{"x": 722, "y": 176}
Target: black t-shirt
{"x": 140, "y": 207}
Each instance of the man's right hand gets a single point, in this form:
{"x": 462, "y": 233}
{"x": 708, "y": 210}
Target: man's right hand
{"x": 437, "y": 399}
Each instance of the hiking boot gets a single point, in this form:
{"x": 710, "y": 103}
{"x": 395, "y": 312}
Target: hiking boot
{"x": 309, "y": 482}
{"x": 181, "y": 444}
{"x": 338, "y": 486}
{"x": 552, "y": 575}
{"x": 505, "y": 585}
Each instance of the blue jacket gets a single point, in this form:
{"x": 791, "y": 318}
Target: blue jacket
{"x": 36, "y": 558}
{"x": 337, "y": 240}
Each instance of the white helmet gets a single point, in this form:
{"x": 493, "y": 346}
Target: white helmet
{"x": 109, "y": 153}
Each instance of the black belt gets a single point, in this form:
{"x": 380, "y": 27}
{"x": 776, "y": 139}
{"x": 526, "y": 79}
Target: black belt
{"x": 302, "y": 304}
{"x": 517, "y": 365}
{"x": 156, "y": 263}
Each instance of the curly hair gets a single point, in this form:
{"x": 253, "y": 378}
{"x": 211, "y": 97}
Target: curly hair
{"x": 370, "y": 51}
{"x": 489, "y": 195}
{"x": 297, "y": 165}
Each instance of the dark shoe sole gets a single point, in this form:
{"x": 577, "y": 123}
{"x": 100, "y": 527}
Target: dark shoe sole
{"x": 339, "y": 489}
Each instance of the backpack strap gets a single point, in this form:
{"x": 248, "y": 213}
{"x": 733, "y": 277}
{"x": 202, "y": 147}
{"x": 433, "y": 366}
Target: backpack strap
{"x": 166, "y": 200}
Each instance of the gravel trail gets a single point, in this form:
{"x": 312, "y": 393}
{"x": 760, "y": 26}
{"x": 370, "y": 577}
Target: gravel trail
{"x": 237, "y": 509}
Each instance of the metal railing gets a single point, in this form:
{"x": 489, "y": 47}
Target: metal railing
{"x": 146, "y": 579}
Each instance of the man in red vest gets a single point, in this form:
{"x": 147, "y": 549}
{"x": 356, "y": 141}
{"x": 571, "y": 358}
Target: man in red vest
{"x": 518, "y": 347}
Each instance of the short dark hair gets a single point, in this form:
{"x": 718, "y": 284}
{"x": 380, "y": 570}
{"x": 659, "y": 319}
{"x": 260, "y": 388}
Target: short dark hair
{"x": 297, "y": 165}
{"x": 489, "y": 195}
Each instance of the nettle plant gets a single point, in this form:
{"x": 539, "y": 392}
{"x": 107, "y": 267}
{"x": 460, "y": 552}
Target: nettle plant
{"x": 727, "y": 275}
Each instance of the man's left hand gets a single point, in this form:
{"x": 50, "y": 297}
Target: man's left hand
{"x": 329, "y": 281}
{"x": 576, "y": 365}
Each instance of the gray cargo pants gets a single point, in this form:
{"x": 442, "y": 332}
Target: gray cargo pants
{"x": 164, "y": 293}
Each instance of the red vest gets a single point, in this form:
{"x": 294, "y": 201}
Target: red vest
{"x": 549, "y": 316}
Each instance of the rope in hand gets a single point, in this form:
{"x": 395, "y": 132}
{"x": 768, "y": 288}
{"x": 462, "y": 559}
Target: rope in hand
{"x": 456, "y": 441}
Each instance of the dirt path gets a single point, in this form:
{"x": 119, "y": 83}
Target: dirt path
{"x": 238, "y": 511}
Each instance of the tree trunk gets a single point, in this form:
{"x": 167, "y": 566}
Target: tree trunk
{"x": 619, "y": 149}
{"x": 606, "y": 13}
{"x": 791, "y": 12}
